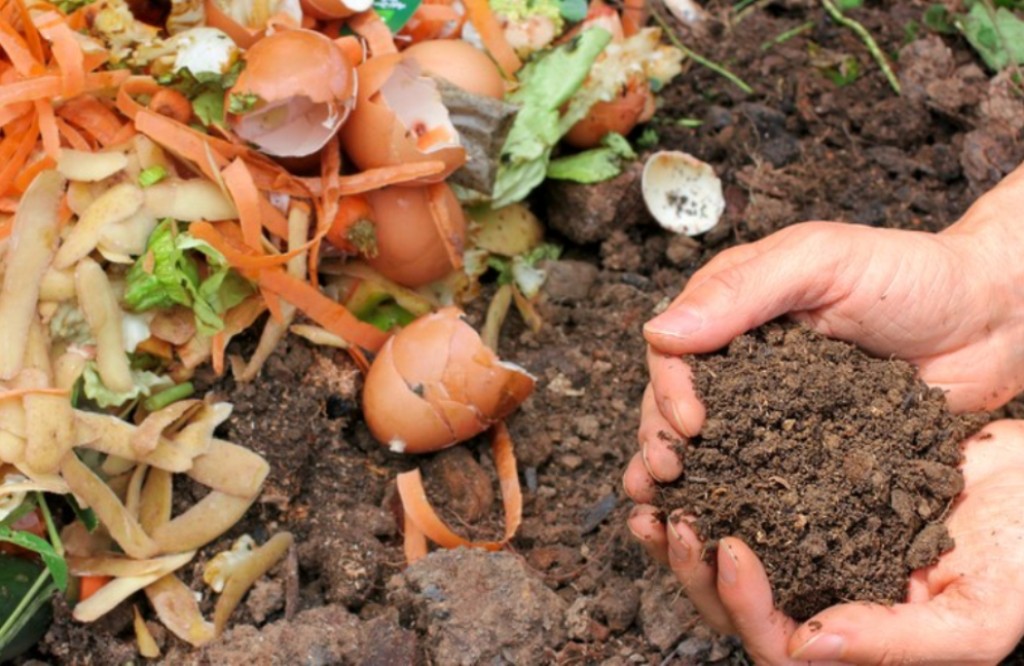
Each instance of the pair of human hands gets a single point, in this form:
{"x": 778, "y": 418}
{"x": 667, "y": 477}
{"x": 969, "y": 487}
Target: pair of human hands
{"x": 953, "y": 305}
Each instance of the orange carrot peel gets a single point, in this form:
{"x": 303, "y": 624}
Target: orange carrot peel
{"x": 428, "y": 525}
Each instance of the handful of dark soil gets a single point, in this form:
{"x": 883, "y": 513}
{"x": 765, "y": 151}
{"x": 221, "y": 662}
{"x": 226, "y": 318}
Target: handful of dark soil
{"x": 835, "y": 467}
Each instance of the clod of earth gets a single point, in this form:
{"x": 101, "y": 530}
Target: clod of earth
{"x": 836, "y": 468}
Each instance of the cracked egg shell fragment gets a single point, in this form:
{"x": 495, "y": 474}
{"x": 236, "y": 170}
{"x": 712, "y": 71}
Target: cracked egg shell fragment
{"x": 682, "y": 193}
{"x": 436, "y": 384}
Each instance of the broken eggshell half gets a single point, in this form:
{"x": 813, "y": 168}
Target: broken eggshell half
{"x": 301, "y": 88}
{"x": 435, "y": 384}
{"x": 420, "y": 233}
{"x": 682, "y": 193}
{"x": 399, "y": 119}
{"x": 335, "y": 9}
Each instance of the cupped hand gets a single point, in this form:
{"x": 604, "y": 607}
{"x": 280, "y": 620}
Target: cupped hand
{"x": 965, "y": 609}
{"x": 951, "y": 303}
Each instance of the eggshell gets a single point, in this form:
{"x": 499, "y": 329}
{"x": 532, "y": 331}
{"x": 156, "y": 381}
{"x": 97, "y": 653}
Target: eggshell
{"x": 461, "y": 64}
{"x": 376, "y": 136}
{"x": 620, "y": 115}
{"x": 435, "y": 384}
{"x": 411, "y": 249}
{"x": 682, "y": 193}
{"x": 306, "y": 87}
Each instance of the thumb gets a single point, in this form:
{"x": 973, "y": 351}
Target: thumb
{"x": 949, "y": 629}
{"x": 798, "y": 275}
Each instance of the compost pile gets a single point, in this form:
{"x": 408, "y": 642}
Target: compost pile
{"x": 835, "y": 467}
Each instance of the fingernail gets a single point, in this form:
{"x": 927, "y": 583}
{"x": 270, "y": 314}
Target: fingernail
{"x": 823, "y": 647}
{"x": 679, "y": 548}
{"x": 728, "y": 565}
{"x": 678, "y": 323}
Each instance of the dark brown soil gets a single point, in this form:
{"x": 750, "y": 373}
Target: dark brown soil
{"x": 835, "y": 467}
{"x": 799, "y": 148}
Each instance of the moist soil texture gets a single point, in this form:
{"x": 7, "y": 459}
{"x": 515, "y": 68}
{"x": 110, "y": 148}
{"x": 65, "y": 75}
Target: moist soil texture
{"x": 835, "y": 467}
{"x": 573, "y": 587}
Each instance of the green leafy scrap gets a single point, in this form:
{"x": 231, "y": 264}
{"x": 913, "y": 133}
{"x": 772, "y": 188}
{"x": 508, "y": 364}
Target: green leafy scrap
{"x": 152, "y": 175}
{"x": 242, "y": 102}
{"x": 144, "y": 383}
{"x": 206, "y": 90}
{"x": 169, "y": 274}
{"x": 54, "y": 562}
{"x": 997, "y": 35}
{"x": 546, "y": 84}
{"x": 594, "y": 165}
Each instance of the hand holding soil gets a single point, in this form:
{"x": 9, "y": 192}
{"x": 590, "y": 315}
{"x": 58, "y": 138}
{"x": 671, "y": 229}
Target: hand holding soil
{"x": 946, "y": 303}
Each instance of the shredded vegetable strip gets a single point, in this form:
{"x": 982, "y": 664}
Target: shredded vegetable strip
{"x": 372, "y": 28}
{"x": 48, "y": 128}
{"x": 321, "y": 309}
{"x": 10, "y": 394}
{"x": 419, "y": 511}
{"x": 375, "y": 179}
{"x": 243, "y": 191}
{"x": 493, "y": 36}
{"x": 66, "y": 51}
{"x": 181, "y": 139}
{"x": 93, "y": 117}
{"x": 16, "y": 48}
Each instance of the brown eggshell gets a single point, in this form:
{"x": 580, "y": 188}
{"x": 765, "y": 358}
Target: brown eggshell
{"x": 303, "y": 72}
{"x": 405, "y": 376}
{"x": 410, "y": 248}
{"x": 374, "y": 136}
{"x": 461, "y": 64}
{"x": 619, "y": 115}
{"x": 395, "y": 414}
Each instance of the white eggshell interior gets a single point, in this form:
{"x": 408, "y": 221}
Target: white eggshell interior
{"x": 682, "y": 193}
{"x": 293, "y": 127}
{"x": 416, "y": 101}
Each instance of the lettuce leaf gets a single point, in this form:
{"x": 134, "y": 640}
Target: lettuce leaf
{"x": 997, "y": 36}
{"x": 594, "y": 165}
{"x": 546, "y": 84}
{"x": 168, "y": 274}
{"x": 144, "y": 383}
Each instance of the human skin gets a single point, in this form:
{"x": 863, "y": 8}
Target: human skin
{"x": 953, "y": 305}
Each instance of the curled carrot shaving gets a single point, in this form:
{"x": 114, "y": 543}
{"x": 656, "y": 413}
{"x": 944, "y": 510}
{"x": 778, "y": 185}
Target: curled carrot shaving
{"x": 17, "y": 49}
{"x": 90, "y": 585}
{"x": 414, "y": 542}
{"x": 12, "y": 112}
{"x": 634, "y": 16}
{"x": 30, "y": 90}
{"x": 28, "y": 28}
{"x": 172, "y": 104}
{"x": 72, "y": 136}
{"x": 180, "y": 139}
{"x": 23, "y": 145}
{"x": 136, "y": 85}
{"x": 493, "y": 36}
{"x": 243, "y": 191}
{"x": 273, "y": 304}
{"x": 48, "y": 127}
{"x": 11, "y": 394}
{"x": 375, "y": 179}
{"x": 66, "y": 51}
{"x": 92, "y": 117}
{"x": 239, "y": 255}
{"x": 372, "y": 28}
{"x": 321, "y": 309}
{"x": 421, "y": 514}
{"x": 28, "y": 174}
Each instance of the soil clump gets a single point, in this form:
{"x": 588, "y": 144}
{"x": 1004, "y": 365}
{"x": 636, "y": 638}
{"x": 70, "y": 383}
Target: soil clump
{"x": 835, "y": 467}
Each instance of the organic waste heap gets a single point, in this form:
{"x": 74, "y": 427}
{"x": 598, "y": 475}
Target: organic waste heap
{"x": 835, "y": 467}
